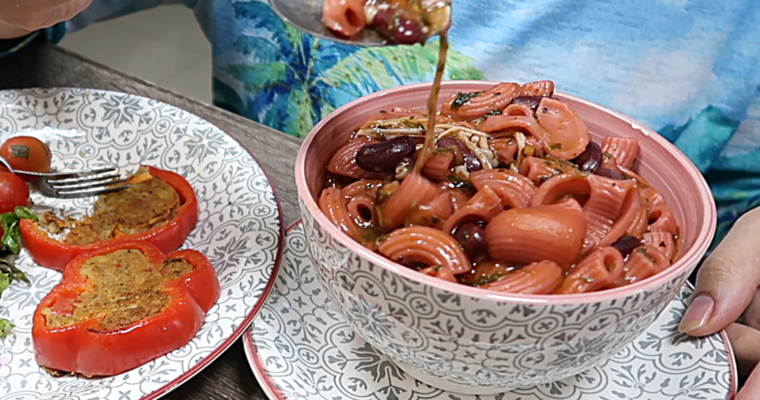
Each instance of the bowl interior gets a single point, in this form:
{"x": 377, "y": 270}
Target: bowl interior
{"x": 665, "y": 167}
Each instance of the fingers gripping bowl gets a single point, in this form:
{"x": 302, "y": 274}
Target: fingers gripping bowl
{"x": 467, "y": 339}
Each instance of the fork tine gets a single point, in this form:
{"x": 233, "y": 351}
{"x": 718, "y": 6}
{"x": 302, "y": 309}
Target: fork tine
{"x": 58, "y": 176}
{"x": 84, "y": 179}
{"x": 91, "y": 184}
{"x": 97, "y": 191}
{"x": 66, "y": 175}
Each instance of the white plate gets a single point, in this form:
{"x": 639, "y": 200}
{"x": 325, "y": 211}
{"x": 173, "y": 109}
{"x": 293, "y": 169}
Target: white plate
{"x": 239, "y": 228}
{"x": 299, "y": 347}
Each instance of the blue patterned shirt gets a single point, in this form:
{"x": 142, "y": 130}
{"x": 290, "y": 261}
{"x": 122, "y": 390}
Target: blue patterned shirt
{"x": 686, "y": 68}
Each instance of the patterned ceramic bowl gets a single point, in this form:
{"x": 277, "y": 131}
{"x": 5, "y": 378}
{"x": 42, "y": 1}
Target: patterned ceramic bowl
{"x": 469, "y": 340}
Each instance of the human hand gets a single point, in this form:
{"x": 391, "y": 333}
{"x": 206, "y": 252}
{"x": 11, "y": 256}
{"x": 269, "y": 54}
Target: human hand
{"x": 21, "y": 17}
{"x": 727, "y": 286}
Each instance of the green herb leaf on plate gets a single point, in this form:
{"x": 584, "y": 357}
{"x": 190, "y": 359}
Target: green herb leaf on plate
{"x": 11, "y": 239}
{"x": 8, "y": 267}
{"x": 4, "y": 282}
{"x": 5, "y": 327}
{"x": 25, "y": 213}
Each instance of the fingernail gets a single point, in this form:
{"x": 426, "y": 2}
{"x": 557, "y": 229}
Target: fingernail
{"x": 697, "y": 314}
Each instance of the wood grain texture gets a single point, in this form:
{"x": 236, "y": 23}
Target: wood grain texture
{"x": 45, "y": 65}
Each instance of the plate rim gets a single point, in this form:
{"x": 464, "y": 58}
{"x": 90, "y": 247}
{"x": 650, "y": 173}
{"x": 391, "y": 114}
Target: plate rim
{"x": 244, "y": 326}
{"x": 268, "y": 387}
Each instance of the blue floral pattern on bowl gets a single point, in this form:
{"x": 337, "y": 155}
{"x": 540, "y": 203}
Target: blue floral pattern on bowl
{"x": 300, "y": 347}
{"x": 471, "y": 345}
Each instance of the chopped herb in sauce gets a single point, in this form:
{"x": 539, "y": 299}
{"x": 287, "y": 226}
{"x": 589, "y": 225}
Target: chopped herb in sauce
{"x": 370, "y": 235}
{"x": 484, "y": 280}
{"x": 483, "y": 118}
{"x": 416, "y": 265}
{"x": 643, "y": 252}
{"x": 459, "y": 183}
{"x": 455, "y": 179}
{"x": 408, "y": 123}
{"x": 462, "y": 99}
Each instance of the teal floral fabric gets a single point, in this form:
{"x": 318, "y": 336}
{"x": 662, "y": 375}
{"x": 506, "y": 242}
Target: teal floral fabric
{"x": 687, "y": 68}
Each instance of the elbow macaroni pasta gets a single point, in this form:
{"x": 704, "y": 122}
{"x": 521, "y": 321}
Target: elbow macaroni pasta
{"x": 508, "y": 202}
{"x": 345, "y": 17}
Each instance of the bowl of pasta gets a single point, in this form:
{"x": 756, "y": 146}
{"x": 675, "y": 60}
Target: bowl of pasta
{"x": 526, "y": 236}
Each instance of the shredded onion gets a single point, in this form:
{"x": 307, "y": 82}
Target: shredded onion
{"x": 521, "y": 142}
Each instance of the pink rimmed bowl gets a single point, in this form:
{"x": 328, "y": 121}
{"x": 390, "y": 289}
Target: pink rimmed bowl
{"x": 469, "y": 340}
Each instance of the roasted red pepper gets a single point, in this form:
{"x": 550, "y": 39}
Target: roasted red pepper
{"x": 168, "y": 236}
{"x": 108, "y": 338}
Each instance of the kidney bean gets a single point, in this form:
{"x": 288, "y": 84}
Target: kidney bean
{"x": 591, "y": 158}
{"x": 417, "y": 139}
{"x": 382, "y": 18}
{"x": 473, "y": 238}
{"x": 626, "y": 245}
{"x": 610, "y": 173}
{"x": 531, "y": 101}
{"x": 397, "y": 27}
{"x": 384, "y": 156}
{"x": 471, "y": 161}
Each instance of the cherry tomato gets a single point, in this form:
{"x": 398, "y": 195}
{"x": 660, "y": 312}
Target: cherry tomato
{"x": 26, "y": 154}
{"x": 13, "y": 192}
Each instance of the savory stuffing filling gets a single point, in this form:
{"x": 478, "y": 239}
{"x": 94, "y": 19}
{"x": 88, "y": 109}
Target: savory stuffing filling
{"x": 142, "y": 206}
{"x": 126, "y": 288}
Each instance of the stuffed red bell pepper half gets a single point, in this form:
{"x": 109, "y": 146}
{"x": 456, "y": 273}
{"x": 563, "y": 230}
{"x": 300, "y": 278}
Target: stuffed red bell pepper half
{"x": 122, "y": 306}
{"x": 160, "y": 207}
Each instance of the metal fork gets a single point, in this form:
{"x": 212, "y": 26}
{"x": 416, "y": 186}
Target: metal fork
{"x": 71, "y": 185}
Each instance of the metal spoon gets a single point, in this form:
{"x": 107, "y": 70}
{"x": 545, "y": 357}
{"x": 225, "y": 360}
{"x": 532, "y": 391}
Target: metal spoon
{"x": 306, "y": 15}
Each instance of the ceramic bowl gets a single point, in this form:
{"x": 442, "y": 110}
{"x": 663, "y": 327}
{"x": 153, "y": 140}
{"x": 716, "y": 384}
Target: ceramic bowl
{"x": 469, "y": 340}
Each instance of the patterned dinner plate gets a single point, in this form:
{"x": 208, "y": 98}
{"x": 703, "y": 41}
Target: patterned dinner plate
{"x": 300, "y": 347}
{"x": 239, "y": 228}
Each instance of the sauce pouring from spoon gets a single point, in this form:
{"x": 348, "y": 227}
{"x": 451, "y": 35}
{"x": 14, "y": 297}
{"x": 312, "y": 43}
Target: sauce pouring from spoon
{"x": 378, "y": 23}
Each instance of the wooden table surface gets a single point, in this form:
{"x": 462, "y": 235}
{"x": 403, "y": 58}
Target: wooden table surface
{"x": 44, "y": 65}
